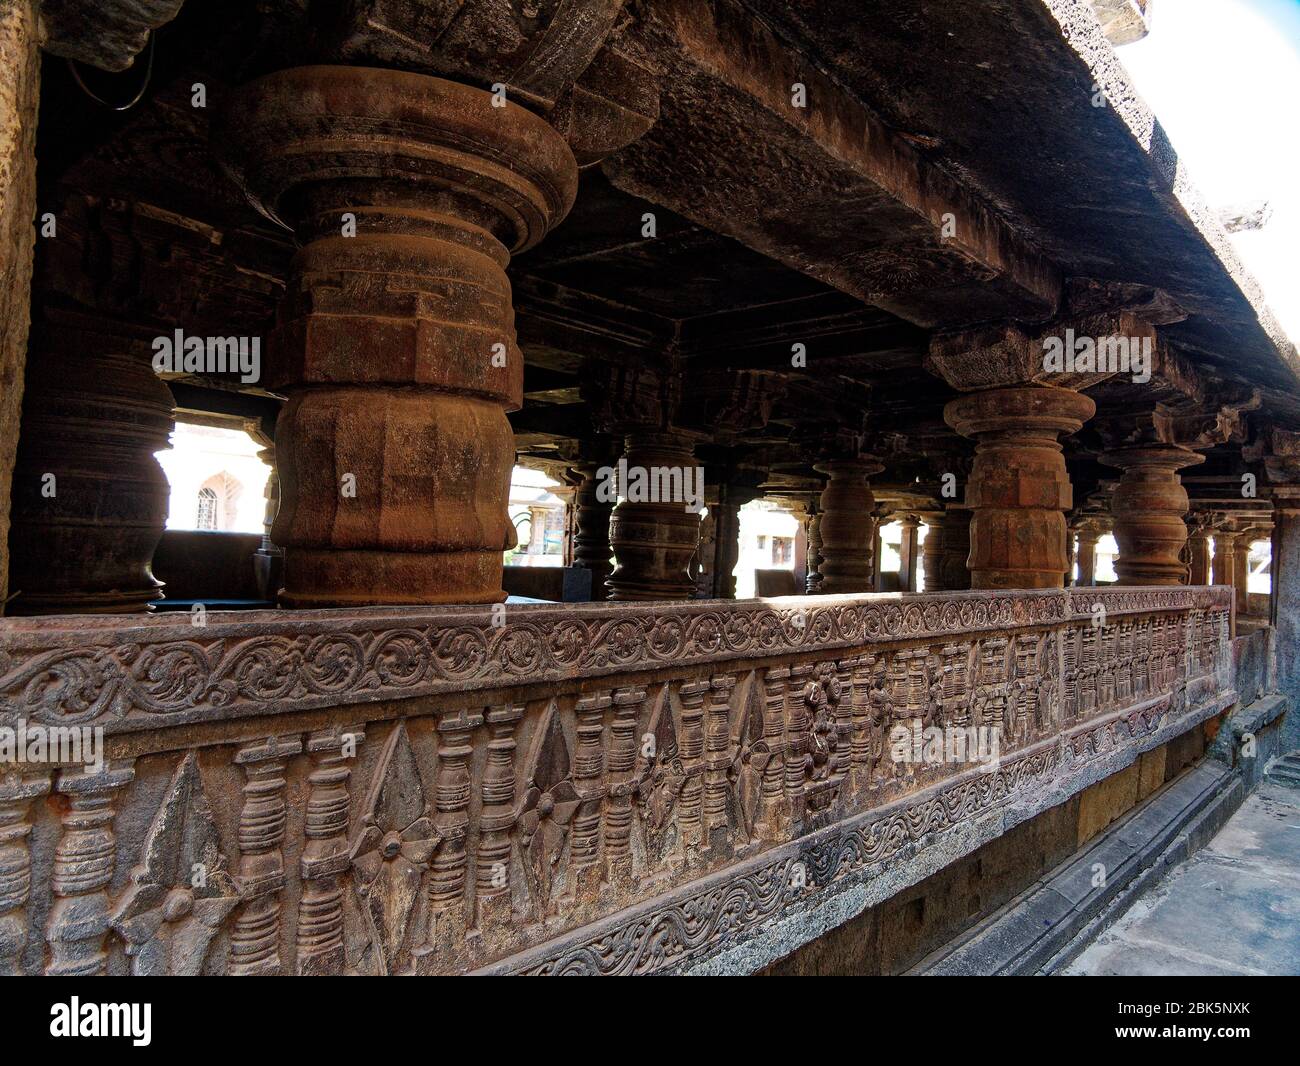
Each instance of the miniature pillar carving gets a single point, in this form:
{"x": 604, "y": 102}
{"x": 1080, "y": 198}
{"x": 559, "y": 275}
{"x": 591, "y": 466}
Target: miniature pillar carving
{"x": 325, "y": 858}
{"x": 1148, "y": 506}
{"x": 654, "y": 542}
{"x": 1019, "y": 486}
{"x": 17, "y": 791}
{"x": 83, "y": 869}
{"x": 395, "y": 340}
{"x": 497, "y": 816}
{"x": 255, "y": 941}
{"x": 847, "y": 530}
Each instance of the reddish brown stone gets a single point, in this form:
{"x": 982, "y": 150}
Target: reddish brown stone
{"x": 90, "y": 500}
{"x": 847, "y": 530}
{"x": 1149, "y": 505}
{"x": 396, "y": 345}
{"x": 1018, "y": 485}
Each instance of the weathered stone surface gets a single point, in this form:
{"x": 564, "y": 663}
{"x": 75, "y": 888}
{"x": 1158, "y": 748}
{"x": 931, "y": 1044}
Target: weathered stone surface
{"x": 512, "y": 757}
{"x": 1148, "y": 506}
{"x": 20, "y": 66}
{"x": 1019, "y": 486}
{"x": 396, "y": 340}
{"x": 90, "y": 500}
{"x": 846, "y": 527}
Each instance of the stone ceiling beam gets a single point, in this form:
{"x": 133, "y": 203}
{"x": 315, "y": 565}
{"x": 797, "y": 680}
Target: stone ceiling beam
{"x": 733, "y": 152}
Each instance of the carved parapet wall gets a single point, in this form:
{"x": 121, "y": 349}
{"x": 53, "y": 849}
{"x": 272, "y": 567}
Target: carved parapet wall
{"x": 602, "y": 788}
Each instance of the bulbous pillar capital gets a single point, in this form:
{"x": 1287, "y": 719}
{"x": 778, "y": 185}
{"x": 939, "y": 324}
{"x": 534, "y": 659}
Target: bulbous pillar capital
{"x": 1148, "y": 506}
{"x": 1018, "y": 487}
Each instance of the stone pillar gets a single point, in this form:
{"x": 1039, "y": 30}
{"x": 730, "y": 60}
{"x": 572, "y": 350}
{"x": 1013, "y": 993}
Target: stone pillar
{"x": 1286, "y": 602}
{"x": 89, "y": 498}
{"x": 932, "y": 551}
{"x": 726, "y": 540}
{"x": 1148, "y": 507}
{"x": 1241, "y": 571}
{"x": 910, "y": 553}
{"x": 591, "y": 547}
{"x": 879, "y": 519}
{"x": 847, "y": 530}
{"x": 1224, "y": 569}
{"x": 815, "y": 578}
{"x": 954, "y": 571}
{"x": 396, "y": 341}
{"x": 654, "y": 542}
{"x": 1019, "y": 486}
{"x": 1086, "y": 553}
{"x": 268, "y": 560}
{"x": 1198, "y": 544}
{"x": 20, "y": 81}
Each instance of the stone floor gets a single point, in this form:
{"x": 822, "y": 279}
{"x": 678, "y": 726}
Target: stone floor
{"x": 1233, "y": 908}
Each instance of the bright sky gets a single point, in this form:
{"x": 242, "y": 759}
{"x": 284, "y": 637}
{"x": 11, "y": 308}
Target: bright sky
{"x": 1223, "y": 77}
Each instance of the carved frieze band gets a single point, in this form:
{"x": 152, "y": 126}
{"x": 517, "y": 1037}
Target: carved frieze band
{"x": 139, "y": 674}
{"x": 462, "y": 834}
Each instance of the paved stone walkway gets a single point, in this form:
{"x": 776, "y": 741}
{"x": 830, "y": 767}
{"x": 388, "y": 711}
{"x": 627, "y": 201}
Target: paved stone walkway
{"x": 1233, "y": 908}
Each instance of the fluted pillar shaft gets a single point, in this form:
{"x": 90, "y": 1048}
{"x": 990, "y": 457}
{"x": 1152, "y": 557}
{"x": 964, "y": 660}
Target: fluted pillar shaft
{"x": 395, "y": 341}
{"x": 1018, "y": 487}
{"x": 1224, "y": 567}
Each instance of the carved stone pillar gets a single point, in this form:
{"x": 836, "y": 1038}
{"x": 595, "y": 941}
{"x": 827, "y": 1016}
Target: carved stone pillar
{"x": 932, "y": 551}
{"x": 654, "y": 539}
{"x": 1241, "y": 571}
{"x": 847, "y": 530}
{"x": 1225, "y": 557}
{"x": 910, "y": 553}
{"x": 396, "y": 341}
{"x": 1086, "y": 553}
{"x": 1148, "y": 505}
{"x": 956, "y": 549}
{"x": 1198, "y": 544}
{"x": 89, "y": 498}
{"x": 1019, "y": 486}
{"x": 815, "y": 578}
{"x": 591, "y": 548}
{"x": 268, "y": 560}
